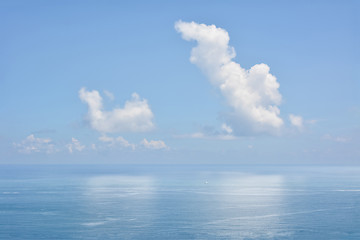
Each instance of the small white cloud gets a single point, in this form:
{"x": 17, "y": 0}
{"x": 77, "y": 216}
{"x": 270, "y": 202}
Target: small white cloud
{"x": 119, "y": 141}
{"x": 75, "y": 145}
{"x": 105, "y": 138}
{"x": 252, "y": 94}
{"x": 201, "y": 135}
{"x": 154, "y": 144}
{"x": 125, "y": 143}
{"x": 340, "y": 139}
{"x": 211, "y": 133}
{"x": 136, "y": 116}
{"x": 250, "y": 146}
{"x": 296, "y": 121}
{"x": 110, "y": 95}
{"x": 33, "y": 144}
{"x": 226, "y": 128}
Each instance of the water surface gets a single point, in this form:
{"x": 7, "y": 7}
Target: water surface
{"x": 179, "y": 202}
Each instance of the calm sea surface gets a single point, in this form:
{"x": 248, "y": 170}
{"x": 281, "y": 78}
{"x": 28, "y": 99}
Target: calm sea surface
{"x": 179, "y": 202}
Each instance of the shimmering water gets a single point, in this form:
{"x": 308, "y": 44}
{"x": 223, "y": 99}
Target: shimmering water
{"x": 179, "y": 202}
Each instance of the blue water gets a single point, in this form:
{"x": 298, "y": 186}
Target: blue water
{"x": 179, "y": 202}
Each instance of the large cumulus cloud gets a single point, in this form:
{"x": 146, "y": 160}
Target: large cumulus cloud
{"x": 253, "y": 93}
{"x": 135, "y": 116}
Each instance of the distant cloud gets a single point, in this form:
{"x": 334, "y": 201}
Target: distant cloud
{"x": 253, "y": 94}
{"x": 33, "y": 144}
{"x": 154, "y": 144}
{"x": 106, "y": 139}
{"x": 340, "y": 139}
{"x": 75, "y": 145}
{"x": 110, "y": 95}
{"x": 312, "y": 121}
{"x": 201, "y": 135}
{"x": 296, "y": 121}
{"x": 210, "y": 133}
{"x": 118, "y": 141}
{"x": 226, "y": 128}
{"x": 44, "y": 131}
{"x": 136, "y": 116}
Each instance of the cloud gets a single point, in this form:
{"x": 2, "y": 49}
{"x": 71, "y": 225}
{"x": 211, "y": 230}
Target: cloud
{"x": 119, "y": 141}
{"x": 154, "y": 144}
{"x": 136, "y": 116}
{"x": 208, "y": 132}
{"x": 201, "y": 135}
{"x": 32, "y": 144}
{"x": 110, "y": 95}
{"x": 296, "y": 121}
{"x": 75, "y": 145}
{"x": 107, "y": 139}
{"x": 336, "y": 138}
{"x": 312, "y": 121}
{"x": 226, "y": 128}
{"x": 252, "y": 94}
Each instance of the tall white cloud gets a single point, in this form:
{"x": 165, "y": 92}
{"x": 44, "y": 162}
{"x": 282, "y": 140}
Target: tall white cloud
{"x": 253, "y": 94}
{"x": 135, "y": 116}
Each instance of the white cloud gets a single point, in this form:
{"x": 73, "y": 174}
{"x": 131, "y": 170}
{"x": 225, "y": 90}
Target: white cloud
{"x": 75, "y": 145}
{"x": 226, "y": 128}
{"x": 154, "y": 144}
{"x": 211, "y": 133}
{"x": 136, "y": 116}
{"x": 32, "y": 144}
{"x": 201, "y": 135}
{"x": 105, "y": 138}
{"x": 124, "y": 143}
{"x": 253, "y": 94}
{"x": 119, "y": 141}
{"x": 296, "y": 121}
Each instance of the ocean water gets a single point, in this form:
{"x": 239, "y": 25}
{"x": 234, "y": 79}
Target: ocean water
{"x": 179, "y": 202}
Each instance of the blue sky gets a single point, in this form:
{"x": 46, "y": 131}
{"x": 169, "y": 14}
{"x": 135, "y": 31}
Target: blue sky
{"x": 58, "y": 58}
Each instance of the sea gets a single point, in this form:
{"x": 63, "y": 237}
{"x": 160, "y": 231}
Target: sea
{"x": 179, "y": 202}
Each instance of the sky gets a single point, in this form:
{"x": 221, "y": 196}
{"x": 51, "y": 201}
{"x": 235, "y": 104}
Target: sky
{"x": 193, "y": 82}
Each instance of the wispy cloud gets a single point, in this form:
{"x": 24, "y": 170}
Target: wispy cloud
{"x": 154, "y": 144}
{"x": 120, "y": 142}
{"x": 210, "y": 133}
{"x": 201, "y": 135}
{"x": 117, "y": 142}
{"x": 253, "y": 94}
{"x": 340, "y": 139}
{"x": 135, "y": 116}
{"x": 75, "y": 145}
{"x": 109, "y": 94}
{"x": 33, "y": 144}
{"x": 296, "y": 121}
